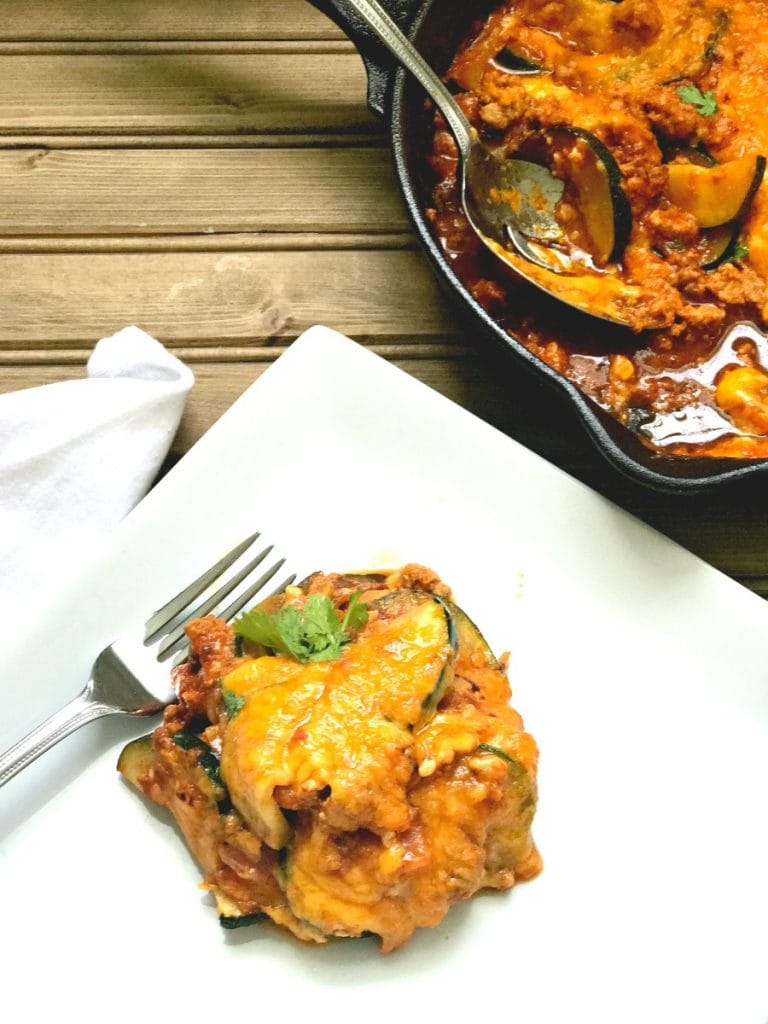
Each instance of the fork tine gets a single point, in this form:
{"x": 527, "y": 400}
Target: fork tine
{"x": 158, "y": 621}
{"x": 176, "y": 635}
{"x": 231, "y": 610}
{"x": 242, "y": 599}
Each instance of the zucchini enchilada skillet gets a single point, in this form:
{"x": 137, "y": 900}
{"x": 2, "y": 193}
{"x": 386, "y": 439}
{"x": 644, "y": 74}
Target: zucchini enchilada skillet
{"x": 651, "y": 114}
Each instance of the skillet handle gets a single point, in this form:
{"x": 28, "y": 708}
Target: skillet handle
{"x": 379, "y": 63}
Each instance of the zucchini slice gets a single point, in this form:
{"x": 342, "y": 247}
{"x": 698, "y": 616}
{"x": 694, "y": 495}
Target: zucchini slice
{"x": 136, "y": 759}
{"x": 715, "y": 195}
{"x": 596, "y": 179}
{"x": 719, "y": 244}
{"x": 428, "y": 622}
{"x": 445, "y": 677}
{"x": 471, "y": 641}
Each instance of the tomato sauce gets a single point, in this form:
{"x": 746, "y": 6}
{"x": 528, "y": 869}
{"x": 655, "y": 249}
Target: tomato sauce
{"x": 675, "y": 93}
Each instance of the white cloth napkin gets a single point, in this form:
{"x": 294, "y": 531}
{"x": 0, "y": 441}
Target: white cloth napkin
{"x": 76, "y": 456}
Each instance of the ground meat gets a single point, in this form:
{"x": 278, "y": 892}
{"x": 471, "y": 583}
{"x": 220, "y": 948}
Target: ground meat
{"x": 418, "y": 577}
{"x": 636, "y": 22}
{"x": 212, "y": 655}
{"x": 656, "y": 84}
{"x": 672, "y": 225}
{"x": 733, "y": 286}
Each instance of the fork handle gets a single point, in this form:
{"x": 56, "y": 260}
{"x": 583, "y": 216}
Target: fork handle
{"x": 78, "y": 712}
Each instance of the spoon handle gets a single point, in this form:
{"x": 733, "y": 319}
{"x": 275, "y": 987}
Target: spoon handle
{"x": 388, "y": 33}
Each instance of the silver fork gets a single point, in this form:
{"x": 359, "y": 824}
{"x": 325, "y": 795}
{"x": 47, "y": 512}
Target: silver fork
{"x": 132, "y": 675}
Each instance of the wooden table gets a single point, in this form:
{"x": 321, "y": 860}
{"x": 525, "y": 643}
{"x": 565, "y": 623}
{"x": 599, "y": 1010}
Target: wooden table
{"x": 207, "y": 169}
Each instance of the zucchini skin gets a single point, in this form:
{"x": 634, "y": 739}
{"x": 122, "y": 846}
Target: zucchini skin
{"x": 723, "y": 244}
{"x": 515, "y": 64}
{"x": 621, "y": 211}
{"x": 231, "y": 922}
{"x": 469, "y": 637}
{"x": 515, "y": 767}
{"x": 136, "y": 759}
{"x": 430, "y": 702}
{"x": 209, "y": 763}
{"x": 698, "y": 154}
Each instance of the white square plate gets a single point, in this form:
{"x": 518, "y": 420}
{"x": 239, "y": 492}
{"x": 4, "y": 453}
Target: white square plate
{"x": 640, "y": 670}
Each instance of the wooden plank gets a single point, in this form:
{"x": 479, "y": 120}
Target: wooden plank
{"x": 172, "y": 19}
{"x": 114, "y": 192}
{"x": 65, "y": 300}
{"x": 174, "y": 93}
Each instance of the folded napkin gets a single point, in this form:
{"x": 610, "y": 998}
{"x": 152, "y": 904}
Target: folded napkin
{"x": 76, "y": 456}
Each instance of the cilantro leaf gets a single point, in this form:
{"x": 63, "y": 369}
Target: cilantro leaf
{"x": 704, "y": 102}
{"x": 259, "y": 628}
{"x": 323, "y": 631}
{"x": 288, "y": 625}
{"x": 356, "y": 615}
{"x": 740, "y": 251}
{"x": 311, "y": 633}
{"x": 233, "y": 702}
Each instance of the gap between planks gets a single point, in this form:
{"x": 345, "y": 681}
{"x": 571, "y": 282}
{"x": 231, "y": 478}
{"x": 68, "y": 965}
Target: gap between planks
{"x": 175, "y": 46}
{"x": 229, "y": 242}
{"x": 258, "y": 353}
{"x": 34, "y": 142}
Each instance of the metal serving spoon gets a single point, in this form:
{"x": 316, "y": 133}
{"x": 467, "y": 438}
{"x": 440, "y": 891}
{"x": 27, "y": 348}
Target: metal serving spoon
{"x": 509, "y": 203}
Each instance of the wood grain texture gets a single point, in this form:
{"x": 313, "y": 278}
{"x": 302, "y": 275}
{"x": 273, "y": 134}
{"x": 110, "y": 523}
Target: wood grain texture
{"x": 65, "y": 300}
{"x": 195, "y": 93}
{"x": 80, "y": 20}
{"x": 208, "y": 191}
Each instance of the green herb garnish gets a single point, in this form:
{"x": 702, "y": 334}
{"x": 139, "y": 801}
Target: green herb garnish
{"x": 311, "y": 633}
{"x": 233, "y": 702}
{"x": 704, "y": 102}
{"x": 740, "y": 251}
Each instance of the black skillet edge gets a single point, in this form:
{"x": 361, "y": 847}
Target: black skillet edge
{"x": 379, "y": 63}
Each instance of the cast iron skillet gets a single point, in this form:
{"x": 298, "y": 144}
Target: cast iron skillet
{"x": 437, "y": 27}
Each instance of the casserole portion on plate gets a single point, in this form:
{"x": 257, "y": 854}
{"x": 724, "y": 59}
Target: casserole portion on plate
{"x": 344, "y": 759}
